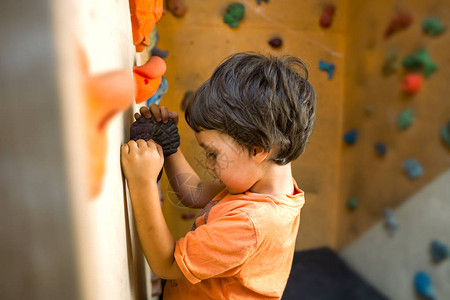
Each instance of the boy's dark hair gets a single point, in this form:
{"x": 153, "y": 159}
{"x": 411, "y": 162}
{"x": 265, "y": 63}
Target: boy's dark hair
{"x": 258, "y": 101}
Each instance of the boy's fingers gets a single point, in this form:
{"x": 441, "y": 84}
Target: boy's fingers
{"x": 174, "y": 116}
{"x": 164, "y": 113}
{"x": 154, "y": 109}
{"x": 141, "y": 143}
{"x": 124, "y": 149}
{"x": 132, "y": 146}
{"x": 158, "y": 147}
{"x": 160, "y": 150}
{"x": 145, "y": 112}
{"x": 137, "y": 116}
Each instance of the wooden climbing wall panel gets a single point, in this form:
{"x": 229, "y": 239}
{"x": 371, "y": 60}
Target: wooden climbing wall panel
{"x": 380, "y": 182}
{"x": 330, "y": 171}
{"x": 200, "y": 40}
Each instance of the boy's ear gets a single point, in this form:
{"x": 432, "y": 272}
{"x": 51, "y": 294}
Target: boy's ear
{"x": 258, "y": 154}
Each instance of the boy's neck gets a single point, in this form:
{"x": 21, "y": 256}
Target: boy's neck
{"x": 275, "y": 180}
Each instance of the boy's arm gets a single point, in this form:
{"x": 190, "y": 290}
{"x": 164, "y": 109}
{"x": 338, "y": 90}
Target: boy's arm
{"x": 184, "y": 181}
{"x": 141, "y": 162}
{"x": 156, "y": 240}
{"x": 187, "y": 185}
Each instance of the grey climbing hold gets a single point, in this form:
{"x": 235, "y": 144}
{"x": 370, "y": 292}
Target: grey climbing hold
{"x": 389, "y": 221}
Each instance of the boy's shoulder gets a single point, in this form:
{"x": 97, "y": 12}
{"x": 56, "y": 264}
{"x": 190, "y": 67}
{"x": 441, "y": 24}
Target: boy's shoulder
{"x": 260, "y": 208}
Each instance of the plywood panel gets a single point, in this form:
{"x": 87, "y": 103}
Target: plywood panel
{"x": 380, "y": 182}
{"x": 200, "y": 41}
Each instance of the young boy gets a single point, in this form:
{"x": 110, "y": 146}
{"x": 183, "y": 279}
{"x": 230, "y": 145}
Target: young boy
{"x": 252, "y": 117}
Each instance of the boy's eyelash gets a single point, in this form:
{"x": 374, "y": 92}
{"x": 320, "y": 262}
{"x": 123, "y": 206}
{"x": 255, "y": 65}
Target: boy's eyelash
{"x": 213, "y": 155}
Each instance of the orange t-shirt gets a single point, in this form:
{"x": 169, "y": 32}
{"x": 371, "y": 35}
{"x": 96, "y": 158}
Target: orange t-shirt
{"x": 240, "y": 247}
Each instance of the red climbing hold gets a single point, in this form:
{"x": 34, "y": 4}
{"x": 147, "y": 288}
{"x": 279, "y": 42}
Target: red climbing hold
{"x": 327, "y": 16}
{"x": 401, "y": 21}
{"x": 411, "y": 83}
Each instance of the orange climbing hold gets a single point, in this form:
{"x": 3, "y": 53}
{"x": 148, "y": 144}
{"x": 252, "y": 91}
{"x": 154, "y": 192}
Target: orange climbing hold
{"x": 105, "y": 95}
{"x": 144, "y": 15}
{"x": 148, "y": 77}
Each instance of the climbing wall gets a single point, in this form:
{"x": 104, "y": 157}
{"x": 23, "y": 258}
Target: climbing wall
{"x": 391, "y": 263}
{"x": 363, "y": 98}
{"x": 200, "y": 40}
{"x": 69, "y": 233}
{"x": 70, "y": 227}
{"x": 95, "y": 60}
{"x": 373, "y": 102}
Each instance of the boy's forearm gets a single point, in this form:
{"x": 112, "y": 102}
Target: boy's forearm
{"x": 156, "y": 240}
{"x": 181, "y": 177}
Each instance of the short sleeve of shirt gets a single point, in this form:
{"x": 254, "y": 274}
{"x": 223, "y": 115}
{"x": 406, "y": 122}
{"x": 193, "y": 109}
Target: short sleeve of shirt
{"x": 218, "y": 248}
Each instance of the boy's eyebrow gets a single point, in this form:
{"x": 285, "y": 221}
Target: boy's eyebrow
{"x": 205, "y": 146}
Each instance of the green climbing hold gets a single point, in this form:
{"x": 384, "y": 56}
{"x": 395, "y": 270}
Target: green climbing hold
{"x": 445, "y": 133}
{"x": 235, "y": 13}
{"x": 433, "y": 26}
{"x": 352, "y": 203}
{"x": 369, "y": 109}
{"x": 405, "y": 118}
{"x": 418, "y": 61}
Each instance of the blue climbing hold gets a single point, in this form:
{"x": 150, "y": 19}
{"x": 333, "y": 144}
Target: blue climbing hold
{"x": 422, "y": 283}
{"x": 381, "y": 148}
{"x": 351, "y": 137}
{"x": 439, "y": 250}
{"x": 389, "y": 221}
{"x": 328, "y": 67}
{"x": 162, "y": 89}
{"x": 413, "y": 168}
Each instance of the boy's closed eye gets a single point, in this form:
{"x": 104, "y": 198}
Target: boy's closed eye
{"x": 208, "y": 152}
{"x": 211, "y": 155}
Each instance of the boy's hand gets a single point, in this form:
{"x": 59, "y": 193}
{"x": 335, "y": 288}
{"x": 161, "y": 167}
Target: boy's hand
{"x": 160, "y": 113}
{"x": 141, "y": 162}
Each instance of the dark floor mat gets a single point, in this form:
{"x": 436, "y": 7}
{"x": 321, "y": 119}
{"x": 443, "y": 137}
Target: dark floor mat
{"x": 320, "y": 274}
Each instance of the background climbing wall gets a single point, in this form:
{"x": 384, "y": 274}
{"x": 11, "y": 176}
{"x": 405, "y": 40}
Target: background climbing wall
{"x": 62, "y": 243}
{"x": 358, "y": 97}
{"x": 380, "y": 181}
{"x": 390, "y": 263}
{"x": 200, "y": 40}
